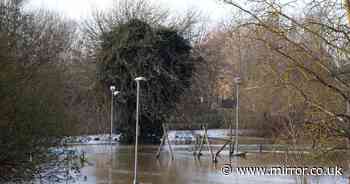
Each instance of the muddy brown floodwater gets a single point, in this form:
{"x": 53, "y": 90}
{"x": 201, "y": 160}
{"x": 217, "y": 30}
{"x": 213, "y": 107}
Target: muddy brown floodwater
{"x": 114, "y": 165}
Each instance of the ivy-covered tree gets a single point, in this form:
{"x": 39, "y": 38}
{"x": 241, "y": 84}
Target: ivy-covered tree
{"x": 161, "y": 55}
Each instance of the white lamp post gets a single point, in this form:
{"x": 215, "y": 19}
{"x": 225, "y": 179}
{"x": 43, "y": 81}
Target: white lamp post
{"x": 114, "y": 92}
{"x": 138, "y": 79}
{"x": 237, "y": 81}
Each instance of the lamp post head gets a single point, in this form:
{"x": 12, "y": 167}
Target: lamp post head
{"x": 115, "y": 93}
{"x": 237, "y": 80}
{"x": 140, "y": 79}
{"x": 112, "y": 88}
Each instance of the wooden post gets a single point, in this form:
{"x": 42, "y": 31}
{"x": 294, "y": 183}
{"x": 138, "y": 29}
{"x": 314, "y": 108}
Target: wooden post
{"x": 161, "y": 144}
{"x": 167, "y": 138}
{"x": 201, "y": 146}
{"x": 218, "y": 152}
{"x": 208, "y": 143}
{"x": 196, "y": 146}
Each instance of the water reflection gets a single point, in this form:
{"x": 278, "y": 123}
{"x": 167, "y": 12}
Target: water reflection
{"x": 114, "y": 165}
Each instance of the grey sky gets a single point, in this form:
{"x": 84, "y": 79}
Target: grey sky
{"x": 76, "y": 9}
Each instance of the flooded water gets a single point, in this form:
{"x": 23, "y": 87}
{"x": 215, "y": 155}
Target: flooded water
{"x": 114, "y": 165}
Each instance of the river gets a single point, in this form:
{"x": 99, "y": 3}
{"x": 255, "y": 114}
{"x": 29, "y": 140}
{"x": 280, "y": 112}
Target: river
{"x": 114, "y": 165}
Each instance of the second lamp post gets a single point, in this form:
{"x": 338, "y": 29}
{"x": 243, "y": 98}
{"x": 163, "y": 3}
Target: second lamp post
{"x": 138, "y": 79}
{"x": 114, "y": 92}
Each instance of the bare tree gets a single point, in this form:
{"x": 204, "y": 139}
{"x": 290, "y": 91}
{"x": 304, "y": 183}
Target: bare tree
{"x": 314, "y": 46}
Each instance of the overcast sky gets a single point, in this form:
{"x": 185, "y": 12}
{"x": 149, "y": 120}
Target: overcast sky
{"x": 77, "y": 9}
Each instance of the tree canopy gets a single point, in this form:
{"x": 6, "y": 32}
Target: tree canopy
{"x": 159, "y": 54}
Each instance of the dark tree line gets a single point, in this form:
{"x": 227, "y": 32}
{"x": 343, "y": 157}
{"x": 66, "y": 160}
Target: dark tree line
{"x": 32, "y": 113}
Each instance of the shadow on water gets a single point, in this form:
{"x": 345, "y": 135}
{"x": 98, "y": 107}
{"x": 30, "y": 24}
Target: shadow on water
{"x": 114, "y": 165}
